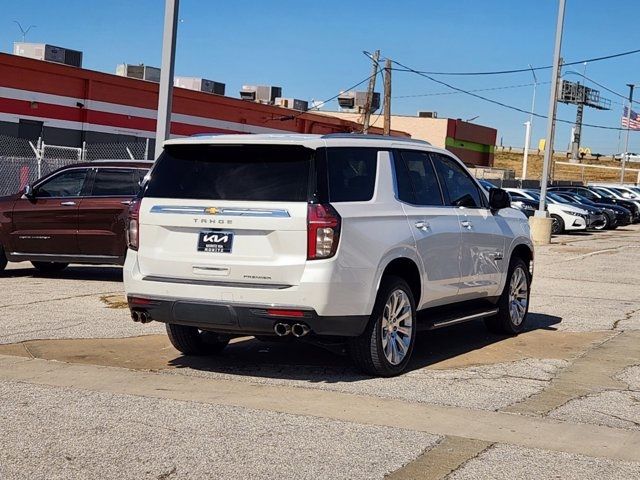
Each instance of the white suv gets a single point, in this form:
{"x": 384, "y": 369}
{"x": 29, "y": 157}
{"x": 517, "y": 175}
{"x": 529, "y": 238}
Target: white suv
{"x": 328, "y": 238}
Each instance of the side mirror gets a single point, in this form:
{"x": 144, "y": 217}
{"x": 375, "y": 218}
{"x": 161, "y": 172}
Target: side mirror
{"x": 28, "y": 192}
{"x": 626, "y": 194}
{"x": 499, "y": 199}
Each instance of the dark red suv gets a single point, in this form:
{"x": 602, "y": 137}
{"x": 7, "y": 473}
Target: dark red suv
{"x": 76, "y": 214}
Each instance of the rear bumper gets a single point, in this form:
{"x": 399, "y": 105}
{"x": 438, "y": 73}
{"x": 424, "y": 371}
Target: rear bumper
{"x": 239, "y": 319}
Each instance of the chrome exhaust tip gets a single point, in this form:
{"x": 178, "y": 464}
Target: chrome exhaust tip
{"x": 300, "y": 330}
{"x": 144, "y": 317}
{"x": 135, "y": 316}
{"x": 282, "y": 329}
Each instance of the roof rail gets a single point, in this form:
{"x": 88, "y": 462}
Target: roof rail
{"x": 119, "y": 160}
{"x": 374, "y": 137}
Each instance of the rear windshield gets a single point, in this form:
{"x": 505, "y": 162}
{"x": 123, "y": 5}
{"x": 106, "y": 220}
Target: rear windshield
{"x": 238, "y": 172}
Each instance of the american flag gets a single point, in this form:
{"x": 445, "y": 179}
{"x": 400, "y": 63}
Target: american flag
{"x": 633, "y": 122}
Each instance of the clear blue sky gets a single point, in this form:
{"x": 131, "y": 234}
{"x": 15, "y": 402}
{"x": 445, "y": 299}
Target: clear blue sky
{"x": 313, "y": 48}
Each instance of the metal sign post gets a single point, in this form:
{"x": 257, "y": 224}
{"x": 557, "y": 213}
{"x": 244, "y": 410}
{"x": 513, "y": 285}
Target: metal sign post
{"x": 540, "y": 222}
{"x": 163, "y": 124}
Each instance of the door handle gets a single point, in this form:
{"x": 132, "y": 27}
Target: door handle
{"x": 126, "y": 202}
{"x": 68, "y": 204}
{"x": 421, "y": 225}
{"x": 466, "y": 224}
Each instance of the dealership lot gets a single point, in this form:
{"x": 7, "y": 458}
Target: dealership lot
{"x": 85, "y": 392}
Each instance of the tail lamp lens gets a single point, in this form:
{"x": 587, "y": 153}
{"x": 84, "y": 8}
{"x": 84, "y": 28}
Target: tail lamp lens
{"x": 323, "y": 231}
{"x": 133, "y": 226}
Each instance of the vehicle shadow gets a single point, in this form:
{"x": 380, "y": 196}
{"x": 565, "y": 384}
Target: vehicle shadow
{"x": 307, "y": 362}
{"x": 80, "y": 272}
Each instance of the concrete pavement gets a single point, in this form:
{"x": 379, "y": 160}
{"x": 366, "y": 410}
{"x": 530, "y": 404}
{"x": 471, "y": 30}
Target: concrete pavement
{"x": 78, "y": 379}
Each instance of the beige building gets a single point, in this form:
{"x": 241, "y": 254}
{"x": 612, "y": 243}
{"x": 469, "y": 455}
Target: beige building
{"x": 473, "y": 144}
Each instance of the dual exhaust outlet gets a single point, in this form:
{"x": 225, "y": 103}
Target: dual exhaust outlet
{"x": 297, "y": 329}
{"x": 142, "y": 317}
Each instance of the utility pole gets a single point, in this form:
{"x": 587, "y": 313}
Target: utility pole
{"x": 541, "y": 224}
{"x": 165, "y": 93}
{"x": 626, "y": 141}
{"x": 387, "y": 97}
{"x": 370, "y": 89}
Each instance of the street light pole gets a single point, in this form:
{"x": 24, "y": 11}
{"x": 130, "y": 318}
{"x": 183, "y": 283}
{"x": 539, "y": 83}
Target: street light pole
{"x": 165, "y": 93}
{"x": 626, "y": 141}
{"x": 541, "y": 225}
{"x": 527, "y": 140}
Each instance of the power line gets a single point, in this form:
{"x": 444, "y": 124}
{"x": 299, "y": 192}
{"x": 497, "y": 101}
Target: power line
{"x": 496, "y": 102}
{"x": 521, "y": 70}
{"x": 433, "y": 94}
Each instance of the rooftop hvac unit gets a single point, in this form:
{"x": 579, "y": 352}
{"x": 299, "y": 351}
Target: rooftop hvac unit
{"x": 293, "y": 103}
{"x": 50, "y": 53}
{"x": 199, "y": 84}
{"x": 260, "y": 93}
{"x": 356, "y": 101}
{"x": 422, "y": 114}
{"x": 141, "y": 72}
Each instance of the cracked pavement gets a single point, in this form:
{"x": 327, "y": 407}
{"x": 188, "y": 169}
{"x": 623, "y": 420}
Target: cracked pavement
{"x": 577, "y": 368}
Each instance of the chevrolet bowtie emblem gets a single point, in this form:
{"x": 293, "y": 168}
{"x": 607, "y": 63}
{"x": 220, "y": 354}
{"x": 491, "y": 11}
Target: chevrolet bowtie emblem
{"x": 212, "y": 210}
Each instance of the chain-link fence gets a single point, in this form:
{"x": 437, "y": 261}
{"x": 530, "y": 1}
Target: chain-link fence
{"x": 23, "y": 161}
{"x": 102, "y": 151}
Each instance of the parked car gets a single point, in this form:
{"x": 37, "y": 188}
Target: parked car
{"x": 332, "y": 238}
{"x": 601, "y": 197}
{"x": 597, "y": 218}
{"x": 618, "y": 196}
{"x": 616, "y": 215}
{"x": 526, "y": 206}
{"x": 77, "y": 214}
{"x": 564, "y": 217}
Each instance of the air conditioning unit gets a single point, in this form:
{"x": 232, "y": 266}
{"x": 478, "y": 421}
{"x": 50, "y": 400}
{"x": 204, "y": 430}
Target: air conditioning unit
{"x": 423, "y": 114}
{"x": 356, "y": 101}
{"x": 50, "y": 53}
{"x": 199, "y": 84}
{"x": 292, "y": 103}
{"x": 261, "y": 93}
{"x": 141, "y": 72}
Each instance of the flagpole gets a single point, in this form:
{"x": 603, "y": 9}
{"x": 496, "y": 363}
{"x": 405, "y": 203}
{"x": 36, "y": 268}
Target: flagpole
{"x": 626, "y": 142}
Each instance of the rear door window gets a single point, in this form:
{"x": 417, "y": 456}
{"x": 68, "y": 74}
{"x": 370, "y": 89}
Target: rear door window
{"x": 115, "y": 182}
{"x": 236, "y": 172}
{"x": 416, "y": 179}
{"x": 351, "y": 173}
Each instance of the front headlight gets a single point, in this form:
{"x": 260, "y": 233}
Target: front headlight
{"x": 575, "y": 214}
{"x": 522, "y": 206}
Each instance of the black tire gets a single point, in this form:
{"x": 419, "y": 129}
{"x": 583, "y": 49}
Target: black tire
{"x": 367, "y": 350}
{"x": 3, "y": 259}
{"x": 192, "y": 341}
{"x": 557, "y": 225}
{"x": 49, "y": 267}
{"x": 605, "y": 225}
{"x": 503, "y": 322}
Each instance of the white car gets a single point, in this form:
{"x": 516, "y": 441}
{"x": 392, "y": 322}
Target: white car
{"x": 335, "y": 238}
{"x": 628, "y": 192}
{"x": 564, "y": 217}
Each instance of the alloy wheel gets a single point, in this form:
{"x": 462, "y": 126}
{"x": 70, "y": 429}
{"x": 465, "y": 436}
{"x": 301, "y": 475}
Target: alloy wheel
{"x": 397, "y": 326}
{"x": 518, "y": 296}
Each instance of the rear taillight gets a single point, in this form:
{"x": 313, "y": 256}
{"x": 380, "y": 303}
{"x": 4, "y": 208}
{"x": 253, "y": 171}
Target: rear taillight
{"x": 133, "y": 225}
{"x": 323, "y": 231}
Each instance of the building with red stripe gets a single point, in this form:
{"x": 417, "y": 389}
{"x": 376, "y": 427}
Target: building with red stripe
{"x": 68, "y": 106}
